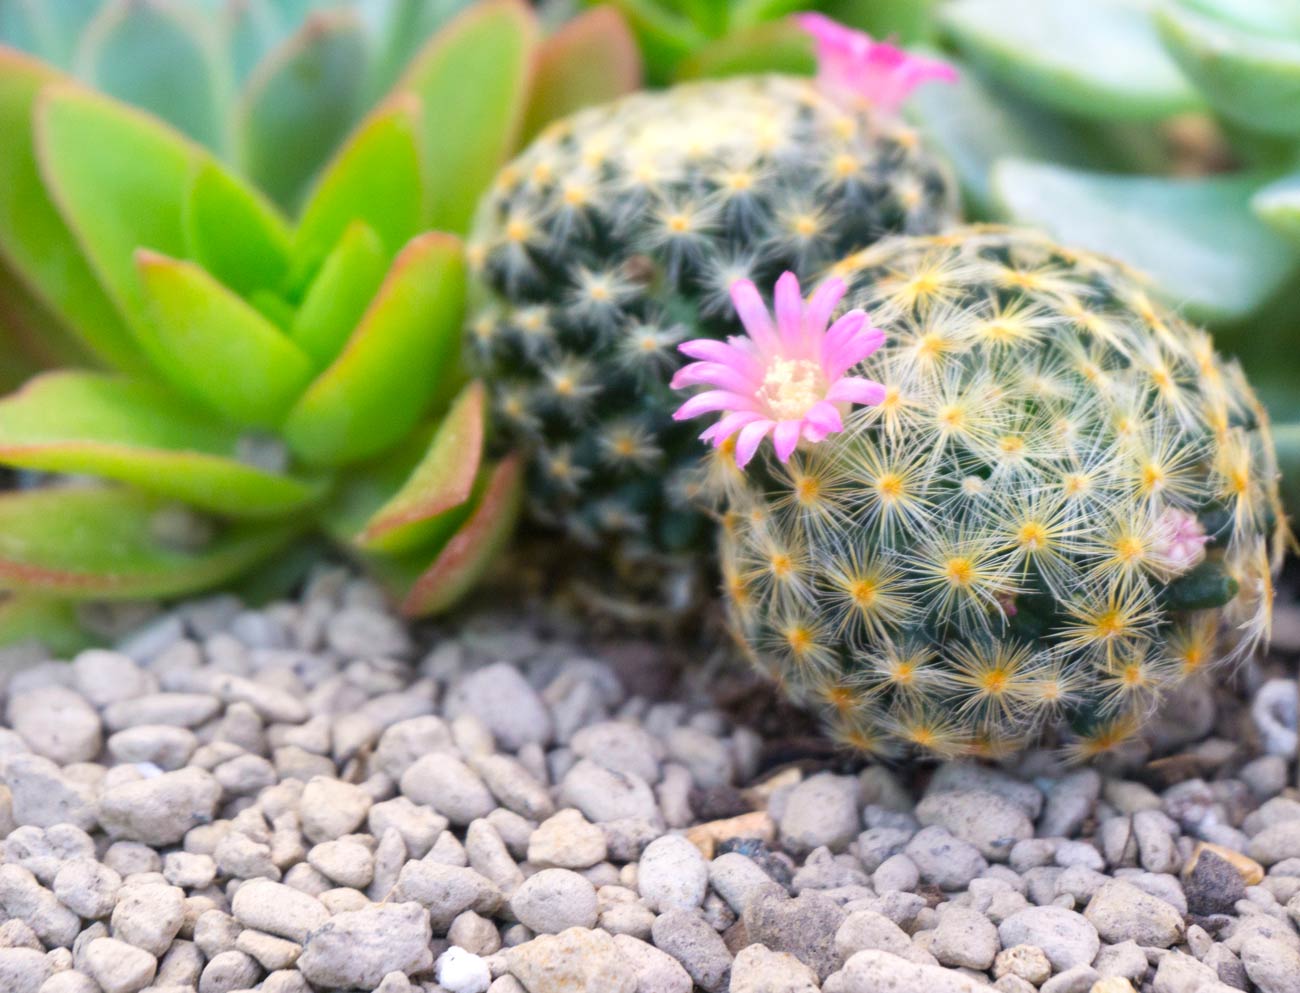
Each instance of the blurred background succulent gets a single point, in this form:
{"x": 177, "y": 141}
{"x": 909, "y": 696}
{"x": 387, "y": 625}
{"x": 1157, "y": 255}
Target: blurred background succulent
{"x": 245, "y": 382}
{"x": 1164, "y": 133}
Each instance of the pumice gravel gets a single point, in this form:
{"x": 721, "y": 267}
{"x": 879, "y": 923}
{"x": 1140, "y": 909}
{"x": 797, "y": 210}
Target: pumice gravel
{"x": 312, "y": 797}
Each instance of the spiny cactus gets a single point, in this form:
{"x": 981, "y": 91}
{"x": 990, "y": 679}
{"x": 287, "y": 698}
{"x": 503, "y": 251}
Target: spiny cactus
{"x": 615, "y": 236}
{"x": 1055, "y": 504}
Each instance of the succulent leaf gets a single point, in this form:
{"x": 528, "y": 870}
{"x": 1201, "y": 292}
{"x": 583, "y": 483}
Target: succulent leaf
{"x": 121, "y": 544}
{"x": 463, "y": 559}
{"x": 374, "y": 178}
{"x": 34, "y": 239}
{"x": 1251, "y": 78}
{"x": 31, "y": 338}
{"x": 1278, "y": 205}
{"x": 134, "y": 432}
{"x": 1196, "y": 238}
{"x": 233, "y": 233}
{"x": 468, "y": 130}
{"x": 214, "y": 347}
{"x": 442, "y": 482}
{"x": 49, "y": 622}
{"x": 49, "y": 29}
{"x": 665, "y": 36}
{"x": 157, "y": 55}
{"x": 340, "y": 293}
{"x": 591, "y": 59}
{"x": 299, "y": 104}
{"x": 1096, "y": 58}
{"x": 395, "y": 365}
{"x": 402, "y": 28}
{"x": 776, "y": 46}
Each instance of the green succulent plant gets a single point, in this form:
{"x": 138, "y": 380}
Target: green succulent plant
{"x": 1061, "y": 503}
{"x": 250, "y": 381}
{"x": 614, "y": 237}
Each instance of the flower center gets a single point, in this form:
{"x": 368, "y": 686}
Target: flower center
{"x": 791, "y": 387}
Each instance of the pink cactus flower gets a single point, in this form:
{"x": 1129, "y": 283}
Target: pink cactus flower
{"x": 852, "y": 66}
{"x": 1180, "y": 539}
{"x": 787, "y": 378}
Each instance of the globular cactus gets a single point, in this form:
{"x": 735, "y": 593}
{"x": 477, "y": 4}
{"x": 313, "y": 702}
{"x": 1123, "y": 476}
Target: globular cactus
{"x": 1052, "y": 502}
{"x": 615, "y": 236}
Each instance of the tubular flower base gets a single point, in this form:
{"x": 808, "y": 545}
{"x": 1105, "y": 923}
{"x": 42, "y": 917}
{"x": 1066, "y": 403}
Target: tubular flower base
{"x": 1064, "y": 504}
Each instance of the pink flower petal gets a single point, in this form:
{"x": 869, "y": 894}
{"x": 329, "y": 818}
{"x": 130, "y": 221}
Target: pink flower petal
{"x": 753, "y": 314}
{"x": 825, "y": 417}
{"x": 707, "y": 403}
{"x": 822, "y": 304}
{"x": 727, "y": 352}
{"x": 713, "y": 374}
{"x": 855, "y": 390}
{"x": 751, "y": 436}
{"x": 788, "y": 306}
{"x": 729, "y": 425}
{"x": 786, "y": 438}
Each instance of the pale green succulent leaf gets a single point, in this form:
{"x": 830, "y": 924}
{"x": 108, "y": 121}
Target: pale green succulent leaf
{"x": 337, "y": 298}
{"x": 78, "y": 543}
{"x": 472, "y": 80}
{"x": 1278, "y": 205}
{"x": 299, "y": 103}
{"x": 42, "y": 620}
{"x": 402, "y": 27}
{"x": 1195, "y": 238}
{"x": 1280, "y": 17}
{"x": 214, "y": 347}
{"x": 441, "y": 483}
{"x": 1095, "y": 58}
{"x": 233, "y": 233}
{"x": 462, "y": 559}
{"x": 49, "y": 29}
{"x": 664, "y": 35}
{"x": 397, "y": 364}
{"x": 1252, "y": 79}
{"x": 909, "y": 21}
{"x": 158, "y": 55}
{"x": 250, "y": 29}
{"x": 591, "y": 59}
{"x": 35, "y": 242}
{"x": 777, "y": 46}
{"x": 375, "y": 178}
{"x": 134, "y": 432}
{"x": 973, "y": 122}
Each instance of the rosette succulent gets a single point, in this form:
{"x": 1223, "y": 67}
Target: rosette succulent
{"x": 616, "y": 235}
{"x": 1005, "y": 489}
{"x": 252, "y": 380}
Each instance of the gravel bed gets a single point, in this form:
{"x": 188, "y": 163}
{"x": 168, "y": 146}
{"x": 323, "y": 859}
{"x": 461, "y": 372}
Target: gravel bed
{"x": 312, "y": 797}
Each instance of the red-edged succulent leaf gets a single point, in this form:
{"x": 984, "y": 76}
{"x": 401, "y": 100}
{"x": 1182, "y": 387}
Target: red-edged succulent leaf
{"x": 300, "y": 102}
{"x": 234, "y": 234}
{"x": 214, "y": 347}
{"x": 51, "y": 622}
{"x": 135, "y": 432}
{"x": 374, "y": 178}
{"x": 442, "y": 482}
{"x": 471, "y": 549}
{"x": 472, "y": 80}
{"x": 395, "y": 366}
{"x": 591, "y": 59}
{"x": 121, "y": 544}
{"x": 337, "y": 298}
{"x": 34, "y": 240}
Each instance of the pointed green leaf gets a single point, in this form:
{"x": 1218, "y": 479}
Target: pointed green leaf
{"x": 233, "y": 233}
{"x": 366, "y": 487}
{"x": 214, "y": 347}
{"x": 591, "y": 59}
{"x": 403, "y": 27}
{"x": 1278, "y": 205}
{"x": 33, "y": 338}
{"x": 47, "y": 28}
{"x": 1280, "y": 17}
{"x": 159, "y": 55}
{"x": 374, "y": 178}
{"x": 299, "y": 104}
{"x": 1252, "y": 79}
{"x": 441, "y": 482}
{"x": 134, "y": 432}
{"x": 337, "y": 298}
{"x": 250, "y": 29}
{"x": 778, "y": 46}
{"x": 1096, "y": 58}
{"x": 120, "y": 544}
{"x": 462, "y": 561}
{"x": 45, "y": 621}
{"x": 664, "y": 36}
{"x": 35, "y": 241}
{"x": 974, "y": 122}
{"x": 395, "y": 365}
{"x": 1196, "y": 238}
{"x": 472, "y": 80}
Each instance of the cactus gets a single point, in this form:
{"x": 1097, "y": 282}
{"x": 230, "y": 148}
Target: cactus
{"x": 615, "y": 236}
{"x": 1052, "y": 502}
